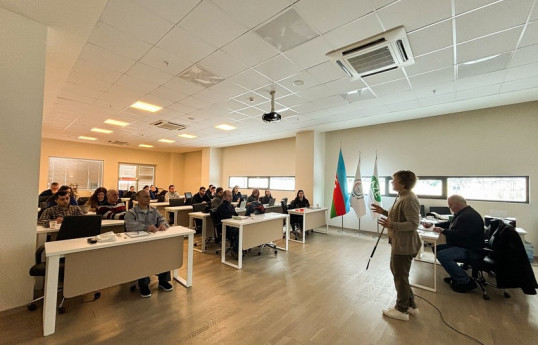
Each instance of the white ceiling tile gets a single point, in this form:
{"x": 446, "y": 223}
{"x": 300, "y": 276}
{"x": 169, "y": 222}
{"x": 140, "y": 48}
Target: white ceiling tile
{"x": 435, "y": 90}
{"x": 85, "y": 68}
{"x": 134, "y": 83}
{"x": 222, "y": 64}
{"x": 498, "y": 63}
{"x": 478, "y": 92}
{"x": 253, "y": 111}
{"x": 525, "y": 56}
{"x": 195, "y": 102}
{"x": 430, "y": 62}
{"x": 401, "y": 106}
{"x": 391, "y": 88}
{"x": 291, "y": 100}
{"x": 355, "y": 31}
{"x": 88, "y": 81}
{"x": 169, "y": 94}
{"x": 280, "y": 91}
{"x": 251, "y": 13}
{"x": 314, "y": 93}
{"x": 209, "y": 22}
{"x": 250, "y": 49}
{"x": 135, "y": 20}
{"x": 156, "y": 100}
{"x": 499, "y": 16}
{"x": 278, "y": 67}
{"x": 329, "y": 102}
{"x": 181, "y": 108}
{"x": 250, "y": 79}
{"x": 437, "y": 99}
{"x": 150, "y": 74}
{"x": 481, "y": 80}
{"x": 326, "y": 72}
{"x": 345, "y": 85}
{"x": 432, "y": 78}
{"x": 410, "y": 13}
{"x": 172, "y": 10}
{"x": 431, "y": 38}
{"x": 183, "y": 86}
{"x": 228, "y": 89}
{"x": 165, "y": 61}
{"x": 308, "y": 81}
{"x": 488, "y": 46}
{"x": 327, "y": 15}
{"x": 118, "y": 42}
{"x": 530, "y": 36}
{"x": 310, "y": 53}
{"x": 101, "y": 57}
{"x": 384, "y": 77}
{"x": 462, "y": 6}
{"x": 520, "y": 84}
{"x": 177, "y": 40}
{"x": 522, "y": 72}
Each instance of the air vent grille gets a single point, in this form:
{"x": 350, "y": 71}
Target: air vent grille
{"x": 171, "y": 126}
{"x": 372, "y": 60}
{"x": 116, "y": 142}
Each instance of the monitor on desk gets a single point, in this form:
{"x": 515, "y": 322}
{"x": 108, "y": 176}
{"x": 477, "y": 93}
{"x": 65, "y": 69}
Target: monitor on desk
{"x": 177, "y": 202}
{"x": 79, "y": 226}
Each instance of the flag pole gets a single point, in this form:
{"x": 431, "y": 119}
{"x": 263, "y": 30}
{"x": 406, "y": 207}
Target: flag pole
{"x": 341, "y": 217}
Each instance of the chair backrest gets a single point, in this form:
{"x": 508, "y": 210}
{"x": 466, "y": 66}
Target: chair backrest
{"x": 160, "y": 198}
{"x": 177, "y": 202}
{"x": 199, "y": 207}
{"x": 422, "y": 211}
{"x": 79, "y": 226}
{"x": 215, "y": 218}
{"x": 440, "y": 209}
{"x": 284, "y": 205}
{"x": 43, "y": 199}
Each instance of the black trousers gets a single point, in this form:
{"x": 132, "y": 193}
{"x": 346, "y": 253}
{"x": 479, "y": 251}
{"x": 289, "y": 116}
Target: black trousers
{"x": 163, "y": 278}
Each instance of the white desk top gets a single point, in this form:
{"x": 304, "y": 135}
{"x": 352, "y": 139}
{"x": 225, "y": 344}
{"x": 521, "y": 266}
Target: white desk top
{"x": 178, "y": 208}
{"x": 257, "y": 219}
{"x": 154, "y": 203}
{"x": 306, "y": 210}
{"x": 199, "y": 214}
{"x": 104, "y": 223}
{"x": 80, "y": 244}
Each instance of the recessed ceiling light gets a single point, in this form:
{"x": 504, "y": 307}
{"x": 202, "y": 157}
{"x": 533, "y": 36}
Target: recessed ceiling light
{"x": 481, "y": 59}
{"x": 167, "y": 141}
{"x": 298, "y": 82}
{"x": 225, "y": 127}
{"x": 352, "y": 92}
{"x": 116, "y": 123}
{"x": 145, "y": 145}
{"x": 188, "y": 136}
{"x": 99, "y": 130}
{"x": 87, "y": 138}
{"x": 146, "y": 106}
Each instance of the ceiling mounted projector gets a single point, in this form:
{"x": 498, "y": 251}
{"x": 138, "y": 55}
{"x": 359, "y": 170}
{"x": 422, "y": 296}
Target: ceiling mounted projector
{"x": 272, "y": 116}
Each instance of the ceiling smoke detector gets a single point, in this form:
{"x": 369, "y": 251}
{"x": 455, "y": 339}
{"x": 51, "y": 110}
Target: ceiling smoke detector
{"x": 272, "y": 116}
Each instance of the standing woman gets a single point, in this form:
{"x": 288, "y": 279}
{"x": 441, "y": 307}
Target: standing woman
{"x": 402, "y": 223}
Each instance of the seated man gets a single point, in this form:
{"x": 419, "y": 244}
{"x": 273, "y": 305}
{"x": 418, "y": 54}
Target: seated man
{"x": 130, "y": 193}
{"x": 61, "y": 209}
{"x": 171, "y": 194}
{"x": 201, "y": 197}
{"x": 215, "y": 202}
{"x": 112, "y": 209}
{"x": 143, "y": 217}
{"x": 464, "y": 233}
{"x": 226, "y": 211}
{"x": 267, "y": 197}
{"x": 54, "y": 186}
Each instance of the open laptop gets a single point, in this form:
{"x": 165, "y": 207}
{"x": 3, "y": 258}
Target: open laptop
{"x": 241, "y": 206}
{"x": 177, "y": 202}
{"x": 79, "y": 226}
{"x": 271, "y": 202}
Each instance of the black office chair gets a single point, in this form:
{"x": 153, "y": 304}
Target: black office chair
{"x": 217, "y": 229}
{"x": 82, "y": 200}
{"x": 72, "y": 227}
{"x": 188, "y": 198}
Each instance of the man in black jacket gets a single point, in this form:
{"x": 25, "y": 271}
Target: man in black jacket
{"x": 226, "y": 211}
{"x": 201, "y": 197}
{"x": 464, "y": 233}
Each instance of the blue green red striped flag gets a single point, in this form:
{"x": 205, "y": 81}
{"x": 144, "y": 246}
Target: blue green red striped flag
{"x": 340, "y": 204}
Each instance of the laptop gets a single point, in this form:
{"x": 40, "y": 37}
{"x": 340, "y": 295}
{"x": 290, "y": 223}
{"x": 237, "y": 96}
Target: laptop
{"x": 79, "y": 226}
{"x": 177, "y": 202}
{"x": 241, "y": 205}
{"x": 271, "y": 202}
{"x": 199, "y": 207}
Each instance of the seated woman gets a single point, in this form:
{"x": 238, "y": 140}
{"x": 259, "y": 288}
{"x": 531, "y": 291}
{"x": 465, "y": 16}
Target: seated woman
{"x": 97, "y": 199}
{"x": 72, "y": 200}
{"x": 236, "y": 194}
{"x": 153, "y": 192}
{"x": 299, "y": 202}
{"x": 255, "y": 196}
{"x": 267, "y": 197}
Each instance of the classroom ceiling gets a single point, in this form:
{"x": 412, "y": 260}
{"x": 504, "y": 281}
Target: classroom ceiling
{"x": 207, "y": 63}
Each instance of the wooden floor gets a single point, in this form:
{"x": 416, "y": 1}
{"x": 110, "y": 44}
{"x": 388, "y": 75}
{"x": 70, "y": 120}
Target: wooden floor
{"x": 316, "y": 293}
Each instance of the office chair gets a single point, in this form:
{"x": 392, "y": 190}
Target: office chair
{"x": 82, "y": 200}
{"x": 72, "y": 227}
{"x": 217, "y": 229}
{"x": 188, "y": 198}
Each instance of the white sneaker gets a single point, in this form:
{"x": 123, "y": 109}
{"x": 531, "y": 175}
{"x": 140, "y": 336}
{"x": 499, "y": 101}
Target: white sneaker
{"x": 413, "y": 311}
{"x": 396, "y": 314}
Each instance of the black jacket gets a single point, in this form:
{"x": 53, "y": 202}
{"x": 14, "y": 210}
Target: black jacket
{"x": 226, "y": 210}
{"x": 465, "y": 230}
{"x": 297, "y": 203}
{"x": 197, "y": 199}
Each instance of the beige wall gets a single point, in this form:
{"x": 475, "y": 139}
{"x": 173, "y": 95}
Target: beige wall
{"x": 270, "y": 158}
{"x": 495, "y": 141}
{"x": 192, "y": 177}
{"x": 22, "y": 71}
{"x": 171, "y": 168}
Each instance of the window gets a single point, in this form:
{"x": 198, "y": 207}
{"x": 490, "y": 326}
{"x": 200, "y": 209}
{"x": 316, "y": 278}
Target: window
{"x": 263, "y": 182}
{"x": 425, "y": 187}
{"x": 239, "y": 181}
{"x": 282, "y": 183}
{"x": 80, "y": 173}
{"x": 258, "y": 182}
{"x": 493, "y": 188}
{"x": 135, "y": 175}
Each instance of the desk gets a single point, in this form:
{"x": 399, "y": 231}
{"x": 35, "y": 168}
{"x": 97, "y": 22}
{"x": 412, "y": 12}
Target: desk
{"x": 207, "y": 226}
{"x": 263, "y": 228}
{"x": 90, "y": 267}
{"x": 312, "y": 218}
{"x": 429, "y": 236}
{"x": 181, "y": 214}
{"x": 116, "y": 225}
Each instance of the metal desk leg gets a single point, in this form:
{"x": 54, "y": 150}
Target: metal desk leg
{"x": 187, "y": 282}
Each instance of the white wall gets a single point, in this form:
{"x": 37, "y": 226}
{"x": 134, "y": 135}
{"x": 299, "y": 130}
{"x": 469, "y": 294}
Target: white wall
{"x": 22, "y": 75}
{"x": 494, "y": 141}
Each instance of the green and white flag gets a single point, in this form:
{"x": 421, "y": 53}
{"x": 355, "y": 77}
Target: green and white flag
{"x": 375, "y": 192}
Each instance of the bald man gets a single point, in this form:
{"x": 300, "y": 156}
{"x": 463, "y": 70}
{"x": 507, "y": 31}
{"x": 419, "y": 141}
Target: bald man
{"x": 112, "y": 209}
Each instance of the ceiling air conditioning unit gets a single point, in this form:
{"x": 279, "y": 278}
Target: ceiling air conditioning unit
{"x": 380, "y": 53}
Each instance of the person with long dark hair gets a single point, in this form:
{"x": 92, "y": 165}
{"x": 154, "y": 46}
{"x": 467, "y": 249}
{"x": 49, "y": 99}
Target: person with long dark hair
{"x": 402, "y": 222}
{"x": 97, "y": 199}
{"x": 297, "y": 221}
{"x": 236, "y": 194}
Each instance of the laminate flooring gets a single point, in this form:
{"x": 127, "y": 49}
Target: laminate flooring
{"x": 316, "y": 293}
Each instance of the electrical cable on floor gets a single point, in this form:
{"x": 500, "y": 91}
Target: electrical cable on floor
{"x": 449, "y": 326}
